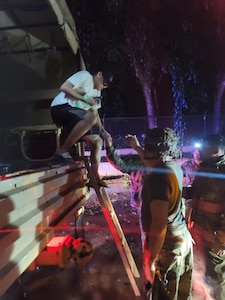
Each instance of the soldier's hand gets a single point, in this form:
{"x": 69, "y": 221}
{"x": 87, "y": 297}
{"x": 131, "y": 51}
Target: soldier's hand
{"x": 132, "y": 141}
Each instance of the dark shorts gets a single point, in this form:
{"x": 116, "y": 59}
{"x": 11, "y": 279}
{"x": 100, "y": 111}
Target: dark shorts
{"x": 68, "y": 116}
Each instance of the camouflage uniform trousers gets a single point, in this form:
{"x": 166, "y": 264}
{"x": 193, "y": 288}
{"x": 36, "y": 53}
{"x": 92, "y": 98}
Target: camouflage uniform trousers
{"x": 174, "y": 269}
{"x": 208, "y": 277}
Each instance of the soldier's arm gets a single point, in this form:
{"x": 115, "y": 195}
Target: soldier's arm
{"x": 120, "y": 164}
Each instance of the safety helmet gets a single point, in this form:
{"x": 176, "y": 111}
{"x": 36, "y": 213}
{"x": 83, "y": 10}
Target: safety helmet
{"x": 161, "y": 140}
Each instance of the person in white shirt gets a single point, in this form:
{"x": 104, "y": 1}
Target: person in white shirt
{"x": 76, "y": 109}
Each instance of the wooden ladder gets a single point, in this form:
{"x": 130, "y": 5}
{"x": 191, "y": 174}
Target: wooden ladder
{"x": 115, "y": 228}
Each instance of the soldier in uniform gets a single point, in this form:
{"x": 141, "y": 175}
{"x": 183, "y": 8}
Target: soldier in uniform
{"x": 208, "y": 221}
{"x": 189, "y": 167}
{"x": 167, "y": 257}
{"x": 133, "y": 167}
{"x": 167, "y": 251}
{"x": 134, "y": 172}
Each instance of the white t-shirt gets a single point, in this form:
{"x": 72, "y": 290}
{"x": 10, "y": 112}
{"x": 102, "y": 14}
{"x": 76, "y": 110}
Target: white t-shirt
{"x": 84, "y": 85}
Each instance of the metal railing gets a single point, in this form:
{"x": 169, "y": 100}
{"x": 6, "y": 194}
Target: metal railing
{"x": 196, "y": 127}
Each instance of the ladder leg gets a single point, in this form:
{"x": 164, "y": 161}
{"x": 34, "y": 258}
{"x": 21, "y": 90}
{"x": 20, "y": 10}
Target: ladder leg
{"x": 120, "y": 233}
{"x": 116, "y": 230}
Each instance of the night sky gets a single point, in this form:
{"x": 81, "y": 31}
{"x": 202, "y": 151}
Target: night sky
{"x": 184, "y": 41}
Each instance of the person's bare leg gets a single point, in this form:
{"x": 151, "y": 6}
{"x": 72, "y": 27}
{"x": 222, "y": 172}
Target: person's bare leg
{"x": 79, "y": 130}
{"x": 96, "y": 143}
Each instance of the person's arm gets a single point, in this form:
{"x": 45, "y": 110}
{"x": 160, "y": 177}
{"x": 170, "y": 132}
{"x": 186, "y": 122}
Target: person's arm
{"x": 103, "y": 132}
{"x": 155, "y": 237}
{"x": 118, "y": 162}
{"x": 133, "y": 142}
{"x": 68, "y": 88}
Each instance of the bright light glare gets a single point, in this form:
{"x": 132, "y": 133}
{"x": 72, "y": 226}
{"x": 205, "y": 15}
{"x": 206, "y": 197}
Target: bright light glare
{"x": 197, "y": 145}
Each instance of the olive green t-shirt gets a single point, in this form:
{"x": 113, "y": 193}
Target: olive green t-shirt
{"x": 163, "y": 183}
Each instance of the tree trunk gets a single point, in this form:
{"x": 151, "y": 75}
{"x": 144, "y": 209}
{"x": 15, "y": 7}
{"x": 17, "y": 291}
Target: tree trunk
{"x": 218, "y": 107}
{"x": 150, "y": 107}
